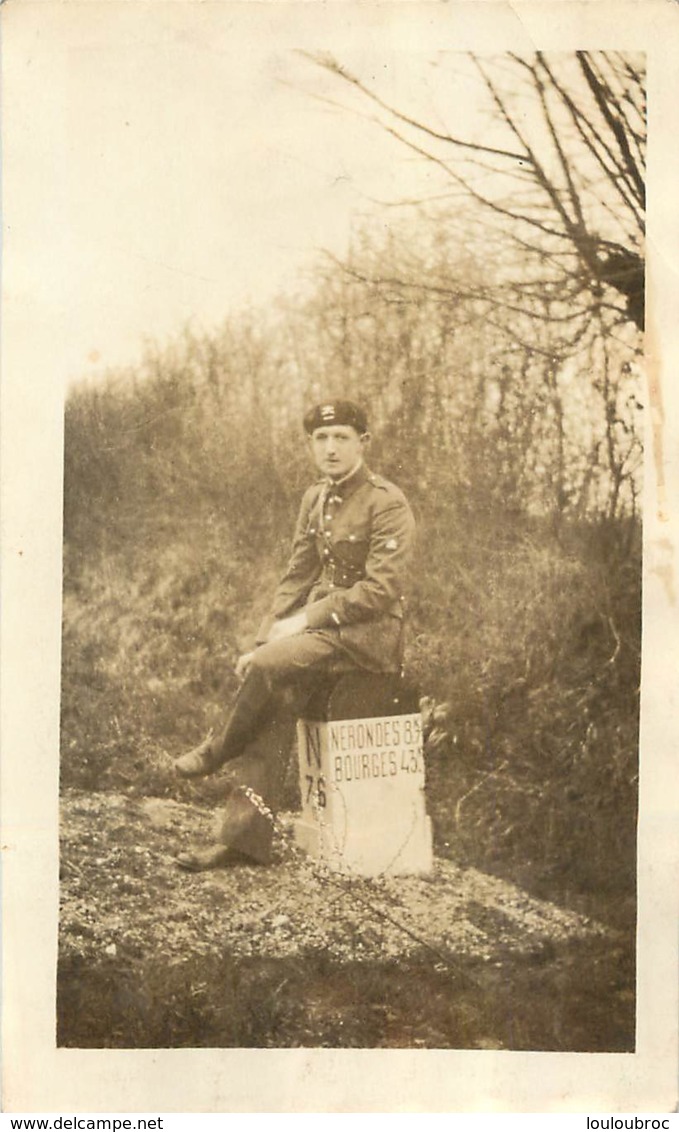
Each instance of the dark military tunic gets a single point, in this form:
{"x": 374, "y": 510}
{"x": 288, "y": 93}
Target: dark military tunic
{"x": 347, "y": 569}
{"x": 350, "y": 553}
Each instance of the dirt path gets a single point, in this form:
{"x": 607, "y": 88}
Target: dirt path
{"x": 122, "y": 894}
{"x": 294, "y": 955}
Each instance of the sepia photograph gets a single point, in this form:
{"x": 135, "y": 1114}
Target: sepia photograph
{"x": 356, "y": 427}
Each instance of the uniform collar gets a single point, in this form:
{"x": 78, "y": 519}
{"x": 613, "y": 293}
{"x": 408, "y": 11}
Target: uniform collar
{"x": 350, "y": 483}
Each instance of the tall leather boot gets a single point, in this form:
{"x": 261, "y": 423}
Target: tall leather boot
{"x": 252, "y": 703}
{"x": 246, "y": 828}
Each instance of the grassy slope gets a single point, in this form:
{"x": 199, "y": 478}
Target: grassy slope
{"x": 538, "y": 773}
{"x": 536, "y": 781}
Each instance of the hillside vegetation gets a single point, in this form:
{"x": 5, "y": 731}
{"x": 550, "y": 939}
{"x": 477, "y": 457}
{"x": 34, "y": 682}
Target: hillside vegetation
{"x": 182, "y": 481}
{"x": 182, "y": 484}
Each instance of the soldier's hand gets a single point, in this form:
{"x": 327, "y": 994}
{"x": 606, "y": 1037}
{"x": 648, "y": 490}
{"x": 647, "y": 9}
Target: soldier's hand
{"x": 243, "y": 665}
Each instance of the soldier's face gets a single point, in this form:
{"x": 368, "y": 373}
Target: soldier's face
{"x": 336, "y": 449}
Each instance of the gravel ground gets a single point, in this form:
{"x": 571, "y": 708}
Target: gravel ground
{"x": 122, "y": 895}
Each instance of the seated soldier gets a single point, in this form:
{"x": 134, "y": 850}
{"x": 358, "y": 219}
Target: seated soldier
{"x": 338, "y": 608}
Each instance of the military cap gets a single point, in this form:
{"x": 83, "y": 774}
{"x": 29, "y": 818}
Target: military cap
{"x": 336, "y": 413}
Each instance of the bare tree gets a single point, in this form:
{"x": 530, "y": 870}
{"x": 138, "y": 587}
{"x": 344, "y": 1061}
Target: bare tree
{"x": 558, "y": 186}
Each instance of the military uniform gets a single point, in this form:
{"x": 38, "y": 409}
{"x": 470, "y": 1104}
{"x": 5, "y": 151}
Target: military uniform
{"x": 347, "y": 569}
{"x": 350, "y": 555}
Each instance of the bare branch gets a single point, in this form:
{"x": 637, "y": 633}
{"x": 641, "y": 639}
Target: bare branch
{"x": 615, "y": 123}
{"x": 616, "y": 174}
{"x": 328, "y": 63}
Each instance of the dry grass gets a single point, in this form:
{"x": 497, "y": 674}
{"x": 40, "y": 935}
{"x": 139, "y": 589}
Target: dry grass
{"x": 534, "y": 782}
{"x": 524, "y": 632}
